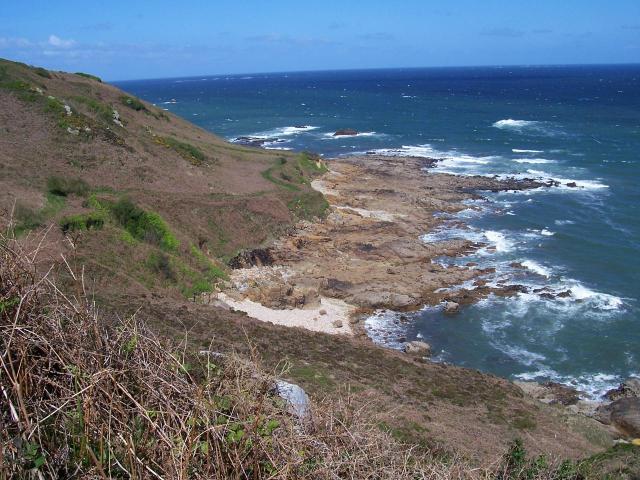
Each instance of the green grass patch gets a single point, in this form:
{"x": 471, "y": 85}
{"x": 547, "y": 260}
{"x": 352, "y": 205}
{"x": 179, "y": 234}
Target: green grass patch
{"x": 212, "y": 271}
{"x": 187, "y": 151}
{"x": 83, "y": 221}
{"x": 89, "y": 76}
{"x": 63, "y": 187}
{"x": 308, "y": 205}
{"x": 312, "y": 375}
{"x": 43, "y": 72}
{"x": 105, "y": 112}
{"x": 312, "y": 162}
{"x": 276, "y": 174}
{"x": 133, "y": 103}
{"x": 143, "y": 225}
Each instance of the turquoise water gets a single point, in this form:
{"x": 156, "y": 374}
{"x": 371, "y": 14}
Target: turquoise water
{"x": 578, "y": 125}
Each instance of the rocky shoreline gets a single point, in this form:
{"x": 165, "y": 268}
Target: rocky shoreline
{"x": 367, "y": 255}
{"x": 368, "y": 252}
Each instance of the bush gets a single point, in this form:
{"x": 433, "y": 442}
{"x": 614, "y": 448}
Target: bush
{"x": 142, "y": 225}
{"x": 160, "y": 263}
{"x": 67, "y": 186}
{"x": 84, "y": 221}
{"x": 89, "y": 76}
{"x": 133, "y": 103}
{"x": 43, "y": 72}
{"x": 27, "y": 219}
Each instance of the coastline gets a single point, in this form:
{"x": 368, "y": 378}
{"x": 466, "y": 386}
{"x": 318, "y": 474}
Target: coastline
{"x": 368, "y": 251}
{"x": 368, "y": 257}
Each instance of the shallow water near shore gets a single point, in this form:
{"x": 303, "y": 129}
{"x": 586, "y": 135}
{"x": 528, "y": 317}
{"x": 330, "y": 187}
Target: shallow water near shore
{"x": 577, "y": 125}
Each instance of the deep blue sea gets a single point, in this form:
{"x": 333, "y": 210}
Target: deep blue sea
{"x": 578, "y": 124}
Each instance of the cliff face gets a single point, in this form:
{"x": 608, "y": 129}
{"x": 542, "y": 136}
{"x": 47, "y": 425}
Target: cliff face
{"x": 155, "y": 209}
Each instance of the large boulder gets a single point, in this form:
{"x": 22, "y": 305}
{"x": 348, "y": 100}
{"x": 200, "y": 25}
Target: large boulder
{"x": 624, "y": 414}
{"x": 418, "y": 348}
{"x": 629, "y": 388}
{"x": 295, "y": 397}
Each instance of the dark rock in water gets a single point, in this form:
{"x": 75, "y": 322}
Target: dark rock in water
{"x": 565, "y": 294}
{"x": 572, "y": 184}
{"x": 629, "y": 388}
{"x": 256, "y": 141}
{"x": 624, "y": 414}
{"x": 516, "y": 265}
{"x": 512, "y": 289}
{"x": 549, "y": 296}
{"x": 344, "y": 132}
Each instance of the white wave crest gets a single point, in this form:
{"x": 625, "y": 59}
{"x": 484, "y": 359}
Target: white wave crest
{"x": 499, "y": 240}
{"x": 332, "y": 136}
{"x": 521, "y": 150}
{"x": 537, "y": 268}
{"x": 510, "y": 123}
{"x": 533, "y": 160}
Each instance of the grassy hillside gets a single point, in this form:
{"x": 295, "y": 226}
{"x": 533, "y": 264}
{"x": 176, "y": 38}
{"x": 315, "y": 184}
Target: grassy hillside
{"x": 145, "y": 196}
{"x": 150, "y": 210}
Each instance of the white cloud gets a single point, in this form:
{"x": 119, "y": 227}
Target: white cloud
{"x": 58, "y": 42}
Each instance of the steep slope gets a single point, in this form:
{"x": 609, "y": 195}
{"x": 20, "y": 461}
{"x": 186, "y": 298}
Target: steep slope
{"x": 155, "y": 208}
{"x": 144, "y": 195}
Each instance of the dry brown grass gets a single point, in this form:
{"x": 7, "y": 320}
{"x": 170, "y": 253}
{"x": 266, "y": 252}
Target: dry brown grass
{"x": 81, "y": 399}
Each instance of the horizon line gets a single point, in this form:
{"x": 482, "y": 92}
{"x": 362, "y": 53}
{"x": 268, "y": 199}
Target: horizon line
{"x": 328, "y": 70}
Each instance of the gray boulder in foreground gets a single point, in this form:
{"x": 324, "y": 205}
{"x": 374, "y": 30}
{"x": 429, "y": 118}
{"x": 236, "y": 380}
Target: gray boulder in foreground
{"x": 296, "y": 398}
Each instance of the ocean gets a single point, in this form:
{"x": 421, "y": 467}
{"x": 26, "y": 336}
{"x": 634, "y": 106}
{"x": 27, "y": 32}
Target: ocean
{"x": 579, "y": 125}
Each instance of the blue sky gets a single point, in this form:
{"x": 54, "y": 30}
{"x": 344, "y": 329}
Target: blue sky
{"x": 121, "y": 40}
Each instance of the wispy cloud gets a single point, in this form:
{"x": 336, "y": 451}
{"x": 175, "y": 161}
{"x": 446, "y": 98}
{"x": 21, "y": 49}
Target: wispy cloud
{"x": 502, "y": 32}
{"x": 56, "y": 41}
{"x": 541, "y": 31}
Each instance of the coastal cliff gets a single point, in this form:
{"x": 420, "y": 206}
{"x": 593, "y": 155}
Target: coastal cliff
{"x": 160, "y": 218}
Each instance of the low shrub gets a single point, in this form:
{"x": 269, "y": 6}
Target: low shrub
{"x": 143, "y": 225}
{"x": 89, "y": 76}
{"x": 43, "y": 72}
{"x": 82, "y": 221}
{"x": 133, "y": 103}
{"x": 26, "y": 219}
{"x": 160, "y": 263}
{"x": 67, "y": 186}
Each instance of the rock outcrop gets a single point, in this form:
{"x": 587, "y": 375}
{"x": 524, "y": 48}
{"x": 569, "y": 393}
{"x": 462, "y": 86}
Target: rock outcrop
{"x": 345, "y": 132}
{"x": 624, "y": 414}
{"x": 418, "y": 348}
